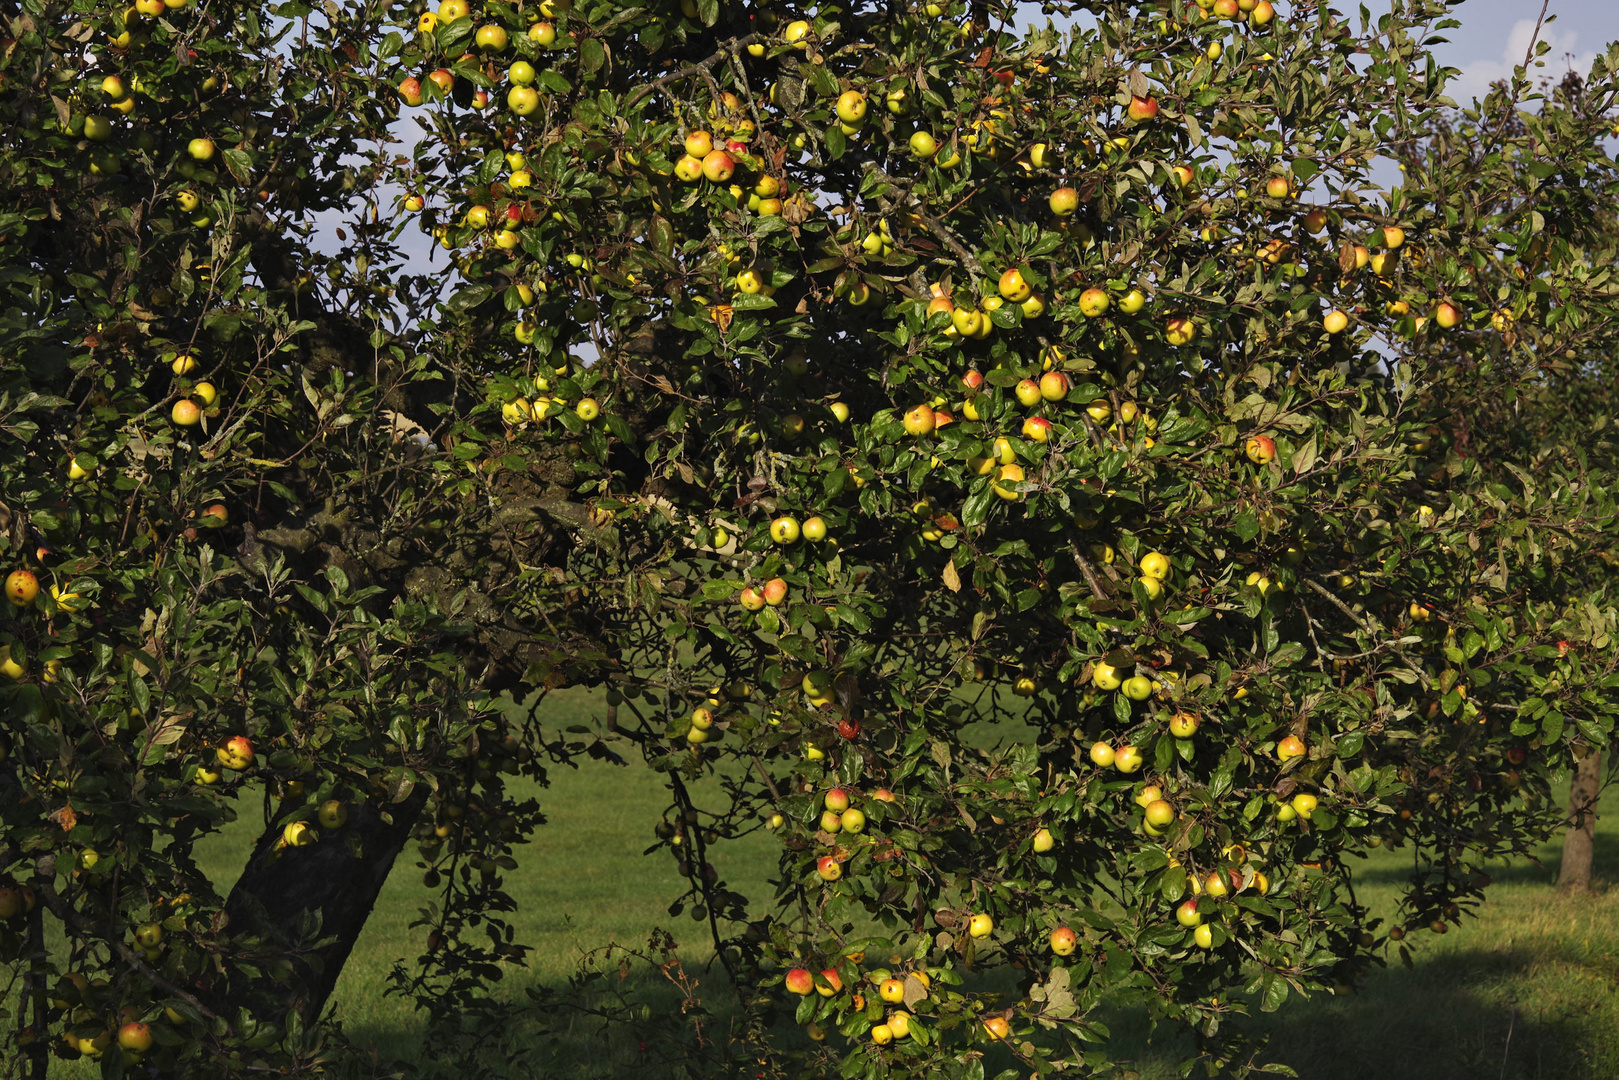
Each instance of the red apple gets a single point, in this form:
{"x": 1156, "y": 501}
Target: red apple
{"x": 833, "y": 983}
{"x": 1143, "y": 108}
{"x": 800, "y": 981}
{"x": 718, "y": 166}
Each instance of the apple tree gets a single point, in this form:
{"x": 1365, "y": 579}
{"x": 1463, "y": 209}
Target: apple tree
{"x": 1049, "y": 475}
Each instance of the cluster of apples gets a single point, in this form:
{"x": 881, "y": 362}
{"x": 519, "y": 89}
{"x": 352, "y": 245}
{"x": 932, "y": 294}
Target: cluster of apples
{"x": 704, "y": 718}
{"x": 1382, "y": 263}
{"x": 490, "y": 40}
{"x": 888, "y": 997}
{"x": 1258, "y": 13}
{"x": 197, "y": 398}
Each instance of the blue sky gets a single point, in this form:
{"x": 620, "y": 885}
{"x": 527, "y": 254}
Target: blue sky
{"x": 1495, "y": 34}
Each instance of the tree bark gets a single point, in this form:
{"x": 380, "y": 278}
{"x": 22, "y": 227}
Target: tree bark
{"x": 1579, "y": 841}
{"x": 281, "y": 895}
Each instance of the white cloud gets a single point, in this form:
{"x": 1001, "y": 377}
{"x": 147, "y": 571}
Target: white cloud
{"x": 1476, "y": 76}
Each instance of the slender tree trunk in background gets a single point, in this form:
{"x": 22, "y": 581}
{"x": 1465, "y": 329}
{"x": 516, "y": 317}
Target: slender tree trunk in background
{"x": 1579, "y": 842}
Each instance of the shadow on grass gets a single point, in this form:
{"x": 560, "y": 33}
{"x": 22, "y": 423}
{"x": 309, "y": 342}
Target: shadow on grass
{"x": 1519, "y": 872}
{"x": 1455, "y": 1016}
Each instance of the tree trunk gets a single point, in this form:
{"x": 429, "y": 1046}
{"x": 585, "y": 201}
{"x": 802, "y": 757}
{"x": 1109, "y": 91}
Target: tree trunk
{"x": 324, "y": 893}
{"x": 1579, "y": 841}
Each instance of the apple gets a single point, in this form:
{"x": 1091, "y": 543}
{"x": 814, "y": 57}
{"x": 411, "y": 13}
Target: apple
{"x": 784, "y": 530}
{"x": 1037, "y": 429}
{"x": 1279, "y": 187}
{"x": 828, "y": 868}
{"x": 1064, "y": 201}
{"x": 1334, "y": 322}
{"x": 135, "y": 1038}
{"x": 1043, "y": 841}
{"x": 333, "y": 814}
{"x": 523, "y": 100}
{"x": 1261, "y": 449}
{"x": 718, "y": 166}
{"x": 1184, "y": 176}
{"x": 775, "y": 592}
{"x": 1094, "y": 302}
{"x": 237, "y": 753}
{"x": 829, "y": 983}
{"x": 1009, "y": 474}
{"x": 967, "y": 322}
{"x": 920, "y": 420}
{"x": 1064, "y": 941}
{"x": 1142, "y": 108}
{"x": 97, "y": 128}
{"x": 1105, "y": 676}
{"x": 831, "y": 822}
{"x": 899, "y": 1023}
{"x": 1447, "y": 314}
{"x": 543, "y": 34}
{"x": 799, "y": 981}
{"x": 443, "y": 79}
{"x": 587, "y": 409}
{"x": 1054, "y": 386}
{"x": 1099, "y": 410}
{"x": 10, "y": 667}
{"x": 1127, "y": 759}
{"x": 11, "y": 903}
{"x": 1315, "y": 220}
{"x": 851, "y": 107}
{"x": 21, "y": 587}
{"x": 1024, "y": 686}
{"x": 892, "y": 990}
{"x": 1262, "y": 14}
{"x": 491, "y": 38}
{"x": 186, "y": 413}
{"x": 1154, "y": 564}
{"x": 1304, "y": 804}
{"x": 1384, "y": 262}
{"x": 1180, "y": 330}
{"x": 1159, "y": 813}
{"x": 997, "y": 1027}
{"x": 1028, "y": 392}
{"x": 203, "y": 149}
{"x": 1137, "y": 687}
{"x": 980, "y": 925}
{"x": 689, "y": 169}
{"x": 882, "y": 1034}
{"x": 1290, "y": 747}
{"x": 1393, "y": 237}
{"x": 1013, "y": 287}
{"x": 853, "y": 821}
{"x": 1183, "y": 725}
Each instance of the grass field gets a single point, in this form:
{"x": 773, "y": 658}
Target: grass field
{"x": 1528, "y": 990}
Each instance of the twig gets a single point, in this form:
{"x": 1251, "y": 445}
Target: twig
{"x": 701, "y": 67}
{"x": 934, "y": 225}
{"x": 62, "y": 910}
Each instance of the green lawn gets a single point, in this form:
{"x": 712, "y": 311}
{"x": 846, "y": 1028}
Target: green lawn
{"x": 1527, "y": 990}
